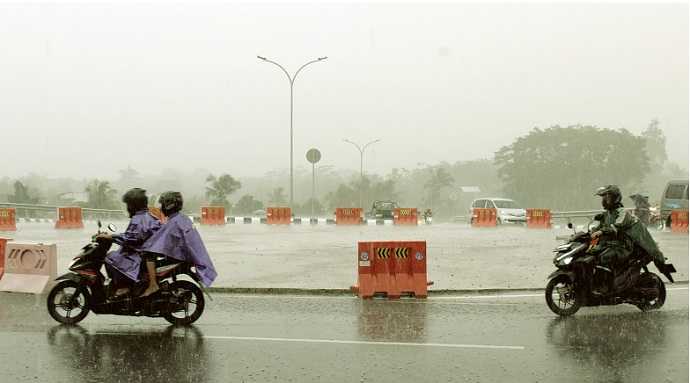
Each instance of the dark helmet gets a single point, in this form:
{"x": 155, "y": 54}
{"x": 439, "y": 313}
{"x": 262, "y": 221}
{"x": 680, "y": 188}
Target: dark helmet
{"x": 614, "y": 192}
{"x": 171, "y": 202}
{"x": 136, "y": 200}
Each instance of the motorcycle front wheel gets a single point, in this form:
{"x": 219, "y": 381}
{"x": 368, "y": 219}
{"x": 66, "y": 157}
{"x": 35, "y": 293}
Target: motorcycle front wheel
{"x": 68, "y": 302}
{"x": 561, "y": 296}
{"x": 191, "y": 306}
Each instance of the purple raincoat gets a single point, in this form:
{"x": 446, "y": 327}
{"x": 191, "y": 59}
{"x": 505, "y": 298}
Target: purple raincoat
{"x": 127, "y": 258}
{"x": 178, "y": 239}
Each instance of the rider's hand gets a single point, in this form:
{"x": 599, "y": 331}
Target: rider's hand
{"x": 596, "y": 234}
{"x": 104, "y": 236}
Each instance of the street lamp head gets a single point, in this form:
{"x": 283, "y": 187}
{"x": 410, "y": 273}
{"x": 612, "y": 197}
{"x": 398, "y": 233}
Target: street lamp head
{"x": 261, "y": 57}
{"x": 322, "y": 58}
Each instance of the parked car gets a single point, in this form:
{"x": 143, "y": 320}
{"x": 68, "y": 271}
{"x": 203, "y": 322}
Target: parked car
{"x": 382, "y": 210}
{"x": 675, "y": 197}
{"x": 507, "y": 210}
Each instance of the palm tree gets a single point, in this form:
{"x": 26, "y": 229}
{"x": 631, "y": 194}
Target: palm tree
{"x": 221, "y": 188}
{"x": 101, "y": 195}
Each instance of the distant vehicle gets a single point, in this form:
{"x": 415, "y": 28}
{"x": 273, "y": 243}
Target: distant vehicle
{"x": 382, "y": 210}
{"x": 507, "y": 210}
{"x": 675, "y": 197}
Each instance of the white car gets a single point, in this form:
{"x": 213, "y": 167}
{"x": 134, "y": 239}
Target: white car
{"x": 507, "y": 210}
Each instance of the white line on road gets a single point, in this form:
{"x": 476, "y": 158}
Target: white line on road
{"x": 363, "y": 342}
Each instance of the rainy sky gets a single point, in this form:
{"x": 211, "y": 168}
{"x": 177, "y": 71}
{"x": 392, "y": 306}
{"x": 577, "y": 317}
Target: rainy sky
{"x": 86, "y": 90}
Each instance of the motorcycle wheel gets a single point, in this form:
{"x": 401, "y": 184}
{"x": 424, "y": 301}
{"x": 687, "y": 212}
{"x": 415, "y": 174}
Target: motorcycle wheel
{"x": 193, "y": 296}
{"x": 651, "y": 281}
{"x": 64, "y": 299}
{"x": 567, "y": 301}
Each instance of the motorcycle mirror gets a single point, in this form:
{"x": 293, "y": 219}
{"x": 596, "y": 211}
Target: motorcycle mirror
{"x": 570, "y": 225}
{"x": 112, "y": 227}
{"x": 99, "y": 224}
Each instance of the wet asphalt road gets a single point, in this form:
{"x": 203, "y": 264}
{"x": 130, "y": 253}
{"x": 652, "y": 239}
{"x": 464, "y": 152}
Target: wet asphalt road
{"x": 509, "y": 338}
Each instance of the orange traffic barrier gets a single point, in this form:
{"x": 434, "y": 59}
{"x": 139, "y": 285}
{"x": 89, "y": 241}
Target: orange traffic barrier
{"x": 29, "y": 268}
{"x": 539, "y": 218}
{"x": 405, "y": 216}
{"x": 8, "y": 220}
{"x": 483, "y": 217}
{"x": 392, "y": 268}
{"x": 278, "y": 215}
{"x": 69, "y": 218}
{"x": 348, "y": 216}
{"x": 213, "y": 215}
{"x": 3, "y": 243}
{"x": 679, "y": 221}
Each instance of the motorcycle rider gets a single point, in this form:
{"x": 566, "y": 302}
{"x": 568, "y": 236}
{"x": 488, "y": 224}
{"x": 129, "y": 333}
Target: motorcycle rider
{"x": 641, "y": 207}
{"x": 619, "y": 231}
{"x": 123, "y": 264}
{"x": 177, "y": 239}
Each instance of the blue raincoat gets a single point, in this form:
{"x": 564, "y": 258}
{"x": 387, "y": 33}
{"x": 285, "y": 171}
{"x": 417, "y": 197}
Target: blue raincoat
{"x": 127, "y": 259}
{"x": 178, "y": 239}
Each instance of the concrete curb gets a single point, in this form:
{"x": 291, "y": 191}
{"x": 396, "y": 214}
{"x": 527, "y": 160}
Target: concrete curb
{"x": 340, "y": 292}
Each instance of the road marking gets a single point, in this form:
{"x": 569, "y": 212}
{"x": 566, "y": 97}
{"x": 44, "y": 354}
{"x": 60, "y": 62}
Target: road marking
{"x": 363, "y": 342}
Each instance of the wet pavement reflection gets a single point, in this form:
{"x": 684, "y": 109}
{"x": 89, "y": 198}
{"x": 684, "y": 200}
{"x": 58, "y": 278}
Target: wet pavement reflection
{"x": 174, "y": 354}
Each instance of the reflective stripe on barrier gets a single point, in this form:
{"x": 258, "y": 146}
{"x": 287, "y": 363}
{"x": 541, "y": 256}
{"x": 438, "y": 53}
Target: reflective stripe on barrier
{"x": 29, "y": 268}
{"x": 539, "y": 218}
{"x": 405, "y": 216}
{"x": 69, "y": 218}
{"x": 348, "y": 216}
{"x": 8, "y": 220}
{"x": 278, "y": 215}
{"x": 3, "y": 243}
{"x": 483, "y": 217}
{"x": 213, "y": 215}
{"x": 392, "y": 268}
{"x": 679, "y": 221}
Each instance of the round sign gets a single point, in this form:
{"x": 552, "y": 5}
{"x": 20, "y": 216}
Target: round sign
{"x": 313, "y": 155}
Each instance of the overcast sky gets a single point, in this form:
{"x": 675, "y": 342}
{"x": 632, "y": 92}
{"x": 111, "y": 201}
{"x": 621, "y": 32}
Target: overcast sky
{"x": 89, "y": 89}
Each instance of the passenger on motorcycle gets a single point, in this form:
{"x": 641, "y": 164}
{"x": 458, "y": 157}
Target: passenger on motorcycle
{"x": 619, "y": 231}
{"x": 177, "y": 239}
{"x": 123, "y": 264}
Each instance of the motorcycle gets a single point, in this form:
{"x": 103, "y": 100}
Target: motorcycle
{"x": 85, "y": 289}
{"x": 573, "y": 284}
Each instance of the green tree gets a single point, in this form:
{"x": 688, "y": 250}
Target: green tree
{"x": 655, "y": 145}
{"x": 439, "y": 179}
{"x": 100, "y": 195}
{"x": 22, "y": 194}
{"x": 247, "y": 205}
{"x": 559, "y": 168}
{"x": 220, "y": 189}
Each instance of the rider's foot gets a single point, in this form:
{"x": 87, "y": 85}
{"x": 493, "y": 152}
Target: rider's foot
{"x": 120, "y": 292}
{"x": 149, "y": 290}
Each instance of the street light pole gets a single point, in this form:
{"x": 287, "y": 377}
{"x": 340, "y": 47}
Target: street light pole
{"x": 291, "y": 79}
{"x": 361, "y": 165}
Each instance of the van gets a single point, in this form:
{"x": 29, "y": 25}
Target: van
{"x": 675, "y": 196}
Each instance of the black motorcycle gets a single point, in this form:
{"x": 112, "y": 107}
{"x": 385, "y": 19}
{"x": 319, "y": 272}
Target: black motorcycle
{"x": 84, "y": 289}
{"x": 579, "y": 279}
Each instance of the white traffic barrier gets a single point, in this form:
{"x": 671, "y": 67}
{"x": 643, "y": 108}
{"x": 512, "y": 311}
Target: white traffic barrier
{"x": 29, "y": 268}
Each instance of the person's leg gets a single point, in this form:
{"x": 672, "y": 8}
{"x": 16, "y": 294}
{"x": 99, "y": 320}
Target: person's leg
{"x": 150, "y": 260}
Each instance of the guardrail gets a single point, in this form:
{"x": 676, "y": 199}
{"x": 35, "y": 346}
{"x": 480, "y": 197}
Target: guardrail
{"x": 25, "y": 210}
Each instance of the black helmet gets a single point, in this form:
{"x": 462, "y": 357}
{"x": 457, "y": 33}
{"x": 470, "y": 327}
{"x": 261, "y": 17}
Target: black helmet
{"x": 171, "y": 202}
{"x": 615, "y": 194}
{"x": 136, "y": 200}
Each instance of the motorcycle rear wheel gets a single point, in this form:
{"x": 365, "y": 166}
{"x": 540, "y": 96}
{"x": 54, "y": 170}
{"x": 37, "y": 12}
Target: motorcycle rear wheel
{"x": 568, "y": 302}
{"x": 71, "y": 296}
{"x": 194, "y": 296}
{"x": 650, "y": 281}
